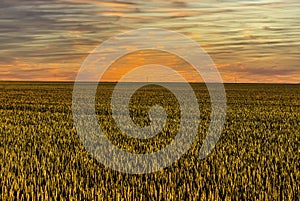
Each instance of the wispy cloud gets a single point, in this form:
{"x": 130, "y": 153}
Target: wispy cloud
{"x": 250, "y": 40}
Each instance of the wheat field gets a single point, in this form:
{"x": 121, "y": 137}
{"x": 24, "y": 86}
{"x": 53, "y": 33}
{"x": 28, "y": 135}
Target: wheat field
{"x": 256, "y": 158}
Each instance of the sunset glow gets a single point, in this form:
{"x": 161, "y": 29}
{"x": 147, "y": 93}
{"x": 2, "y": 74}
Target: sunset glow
{"x": 250, "y": 41}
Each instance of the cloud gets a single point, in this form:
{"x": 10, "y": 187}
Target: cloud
{"x": 56, "y": 35}
{"x": 19, "y": 69}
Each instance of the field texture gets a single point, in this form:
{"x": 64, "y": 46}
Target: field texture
{"x": 256, "y": 158}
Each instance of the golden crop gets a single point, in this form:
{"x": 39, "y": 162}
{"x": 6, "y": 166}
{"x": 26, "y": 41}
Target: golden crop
{"x": 256, "y": 158}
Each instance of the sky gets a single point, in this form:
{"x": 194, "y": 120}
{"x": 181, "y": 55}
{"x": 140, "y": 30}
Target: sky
{"x": 255, "y": 41}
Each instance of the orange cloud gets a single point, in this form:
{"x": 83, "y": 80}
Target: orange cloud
{"x": 141, "y": 58}
{"x": 103, "y": 3}
{"x": 19, "y": 69}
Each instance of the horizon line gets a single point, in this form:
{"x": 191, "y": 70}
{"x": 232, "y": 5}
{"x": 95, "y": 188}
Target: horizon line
{"x": 114, "y": 82}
